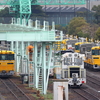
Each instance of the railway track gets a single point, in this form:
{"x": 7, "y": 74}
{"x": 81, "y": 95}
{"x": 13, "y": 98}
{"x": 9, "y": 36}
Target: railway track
{"x": 90, "y": 90}
{"x": 85, "y": 94}
{"x": 93, "y": 80}
{"x": 11, "y": 91}
{"x": 94, "y": 74}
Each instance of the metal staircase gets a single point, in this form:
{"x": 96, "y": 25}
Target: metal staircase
{"x": 40, "y": 83}
{"x": 31, "y": 74}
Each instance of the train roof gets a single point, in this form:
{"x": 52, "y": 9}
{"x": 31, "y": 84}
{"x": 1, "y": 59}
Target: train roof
{"x": 81, "y": 43}
{"x": 75, "y": 55}
{"x": 6, "y": 52}
{"x": 66, "y": 51}
{"x": 95, "y": 47}
{"x": 88, "y": 43}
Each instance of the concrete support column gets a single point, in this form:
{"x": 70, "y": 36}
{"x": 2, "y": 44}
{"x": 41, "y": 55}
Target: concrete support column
{"x": 44, "y": 67}
{"x": 35, "y": 67}
{"x": 48, "y": 66}
{"x": 17, "y": 67}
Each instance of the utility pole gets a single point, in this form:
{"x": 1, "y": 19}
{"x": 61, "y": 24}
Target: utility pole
{"x": 59, "y": 13}
{"x": 74, "y": 11}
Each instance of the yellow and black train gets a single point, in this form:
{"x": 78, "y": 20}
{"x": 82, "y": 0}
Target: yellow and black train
{"x": 7, "y": 63}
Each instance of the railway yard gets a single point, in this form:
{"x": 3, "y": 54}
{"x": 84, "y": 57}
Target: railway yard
{"x": 13, "y": 89}
{"x": 40, "y": 60}
{"x": 31, "y": 59}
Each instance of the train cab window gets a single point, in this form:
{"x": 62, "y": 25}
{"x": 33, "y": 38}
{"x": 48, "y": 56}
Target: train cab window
{"x": 77, "y": 61}
{"x": 67, "y": 61}
{"x": 10, "y": 56}
{"x": 3, "y": 57}
{"x": 95, "y": 52}
{"x": 88, "y": 49}
{"x": 7, "y": 57}
{"x": 77, "y": 47}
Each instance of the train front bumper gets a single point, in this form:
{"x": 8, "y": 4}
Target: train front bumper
{"x": 4, "y": 73}
{"x": 78, "y": 82}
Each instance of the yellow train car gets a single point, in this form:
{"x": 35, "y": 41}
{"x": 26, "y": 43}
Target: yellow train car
{"x": 93, "y": 58}
{"x": 78, "y": 46}
{"x": 60, "y": 45}
{"x": 7, "y": 63}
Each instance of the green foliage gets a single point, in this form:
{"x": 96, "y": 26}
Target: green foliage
{"x": 81, "y": 34}
{"x": 81, "y": 13}
{"x": 76, "y": 25}
{"x": 48, "y": 96}
{"x": 37, "y": 11}
{"x": 98, "y": 33}
{"x": 5, "y": 12}
{"x": 58, "y": 27}
{"x": 96, "y": 10}
{"x": 65, "y": 29}
{"x": 61, "y": 28}
{"x": 89, "y": 30}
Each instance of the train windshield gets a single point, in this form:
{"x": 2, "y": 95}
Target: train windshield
{"x": 77, "y": 47}
{"x": 95, "y": 52}
{"x": 88, "y": 49}
{"x": 67, "y": 61}
{"x": 77, "y": 61}
{"x": 6, "y": 56}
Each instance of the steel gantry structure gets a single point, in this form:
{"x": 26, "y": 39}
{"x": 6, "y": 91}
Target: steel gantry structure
{"x": 21, "y": 33}
{"x": 20, "y": 36}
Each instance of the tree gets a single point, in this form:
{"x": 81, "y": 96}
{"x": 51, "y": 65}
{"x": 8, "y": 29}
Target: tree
{"x": 58, "y": 27}
{"x": 90, "y": 30}
{"x": 65, "y": 29}
{"x": 36, "y": 11}
{"x": 96, "y": 10}
{"x": 5, "y": 12}
{"x": 98, "y": 34}
{"x": 75, "y": 25}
